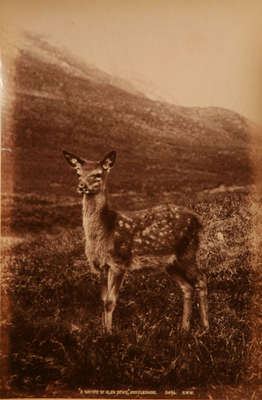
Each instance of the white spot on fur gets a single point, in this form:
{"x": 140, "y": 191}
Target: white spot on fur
{"x": 220, "y": 236}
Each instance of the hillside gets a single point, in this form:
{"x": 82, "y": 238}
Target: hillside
{"x": 63, "y": 104}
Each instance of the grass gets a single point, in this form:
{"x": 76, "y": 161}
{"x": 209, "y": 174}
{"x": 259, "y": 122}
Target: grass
{"x": 52, "y": 322}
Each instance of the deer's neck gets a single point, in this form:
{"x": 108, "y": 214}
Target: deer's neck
{"x": 97, "y": 217}
{"x": 92, "y": 207}
{"x": 93, "y": 204}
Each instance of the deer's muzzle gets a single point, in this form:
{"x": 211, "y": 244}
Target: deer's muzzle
{"x": 83, "y": 189}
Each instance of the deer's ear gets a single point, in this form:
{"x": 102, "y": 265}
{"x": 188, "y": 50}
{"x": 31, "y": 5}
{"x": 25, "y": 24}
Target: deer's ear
{"x": 73, "y": 160}
{"x": 108, "y": 161}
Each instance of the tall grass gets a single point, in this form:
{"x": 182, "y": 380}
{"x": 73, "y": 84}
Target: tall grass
{"x": 54, "y": 319}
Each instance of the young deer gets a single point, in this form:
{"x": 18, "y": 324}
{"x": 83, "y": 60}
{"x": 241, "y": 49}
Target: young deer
{"x": 161, "y": 238}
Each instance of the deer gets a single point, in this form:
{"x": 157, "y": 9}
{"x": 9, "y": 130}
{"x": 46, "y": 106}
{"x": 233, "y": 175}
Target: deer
{"x": 165, "y": 238}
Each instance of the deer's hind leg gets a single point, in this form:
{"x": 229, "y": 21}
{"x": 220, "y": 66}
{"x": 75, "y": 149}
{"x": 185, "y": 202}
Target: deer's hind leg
{"x": 201, "y": 288}
{"x": 186, "y": 274}
{"x": 175, "y": 272}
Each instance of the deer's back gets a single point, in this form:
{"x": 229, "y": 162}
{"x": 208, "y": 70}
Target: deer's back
{"x": 151, "y": 238}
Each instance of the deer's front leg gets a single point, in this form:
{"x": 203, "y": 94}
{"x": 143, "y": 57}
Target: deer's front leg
{"x": 114, "y": 281}
{"x": 104, "y": 295}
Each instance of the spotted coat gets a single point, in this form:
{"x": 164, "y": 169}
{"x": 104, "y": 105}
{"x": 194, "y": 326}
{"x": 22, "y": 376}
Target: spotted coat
{"x": 153, "y": 238}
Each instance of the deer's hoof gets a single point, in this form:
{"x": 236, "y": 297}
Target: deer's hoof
{"x": 184, "y": 329}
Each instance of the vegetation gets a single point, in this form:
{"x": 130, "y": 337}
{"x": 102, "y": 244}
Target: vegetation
{"x": 54, "y": 323}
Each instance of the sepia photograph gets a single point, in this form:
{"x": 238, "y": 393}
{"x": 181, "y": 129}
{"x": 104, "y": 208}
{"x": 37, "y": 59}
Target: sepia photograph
{"x": 131, "y": 199}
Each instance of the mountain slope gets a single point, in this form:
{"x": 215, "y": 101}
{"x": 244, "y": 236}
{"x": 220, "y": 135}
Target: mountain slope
{"x": 62, "y": 103}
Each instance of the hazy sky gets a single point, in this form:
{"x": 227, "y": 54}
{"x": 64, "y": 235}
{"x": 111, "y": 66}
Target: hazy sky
{"x": 191, "y": 52}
